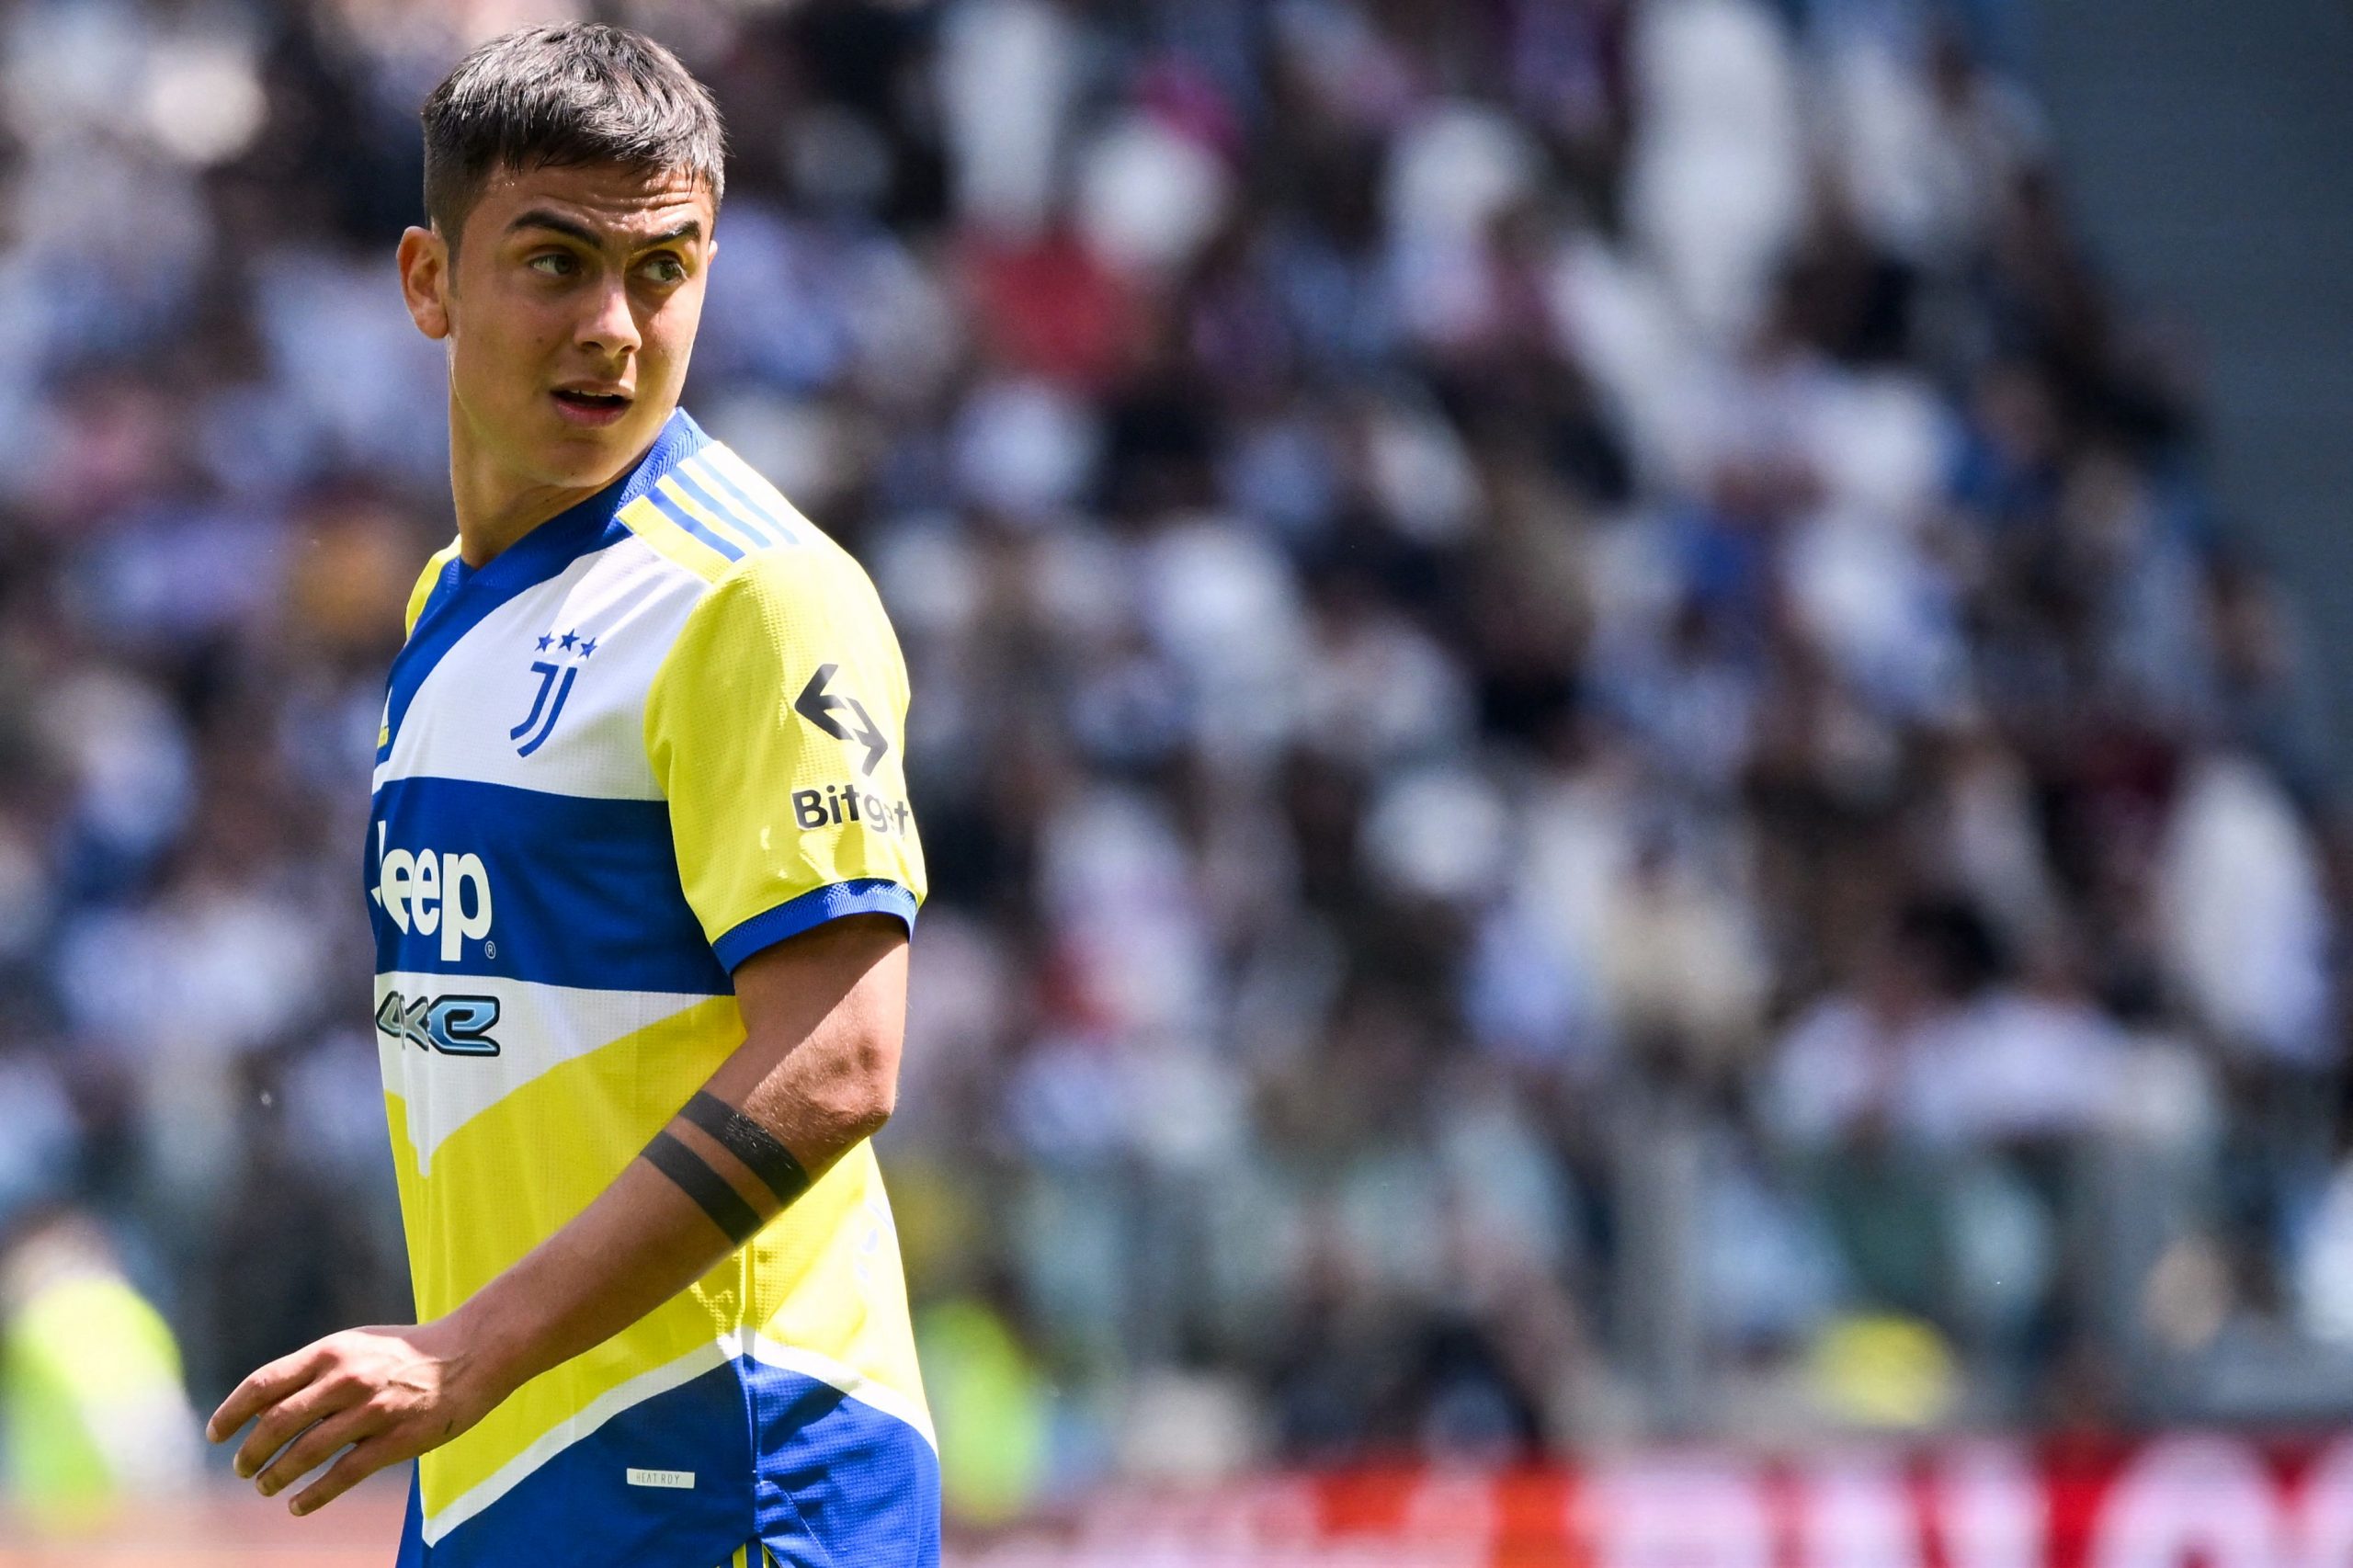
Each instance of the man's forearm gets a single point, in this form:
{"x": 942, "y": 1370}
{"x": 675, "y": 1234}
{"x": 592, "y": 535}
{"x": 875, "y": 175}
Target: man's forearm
{"x": 718, "y": 1170}
{"x": 639, "y": 1244}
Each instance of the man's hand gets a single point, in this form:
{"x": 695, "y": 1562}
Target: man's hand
{"x": 388, "y": 1395}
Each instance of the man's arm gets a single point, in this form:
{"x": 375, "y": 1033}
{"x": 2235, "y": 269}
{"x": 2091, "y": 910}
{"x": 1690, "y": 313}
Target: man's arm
{"x": 824, "y": 1015}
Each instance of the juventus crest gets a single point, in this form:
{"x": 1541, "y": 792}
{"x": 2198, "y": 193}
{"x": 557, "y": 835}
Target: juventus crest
{"x": 556, "y": 675}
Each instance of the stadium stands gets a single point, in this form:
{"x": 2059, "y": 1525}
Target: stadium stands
{"x": 1591, "y": 763}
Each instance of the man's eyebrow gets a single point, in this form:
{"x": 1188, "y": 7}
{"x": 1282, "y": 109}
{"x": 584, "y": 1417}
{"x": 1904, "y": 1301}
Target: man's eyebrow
{"x": 541, "y": 218}
{"x": 689, "y": 230}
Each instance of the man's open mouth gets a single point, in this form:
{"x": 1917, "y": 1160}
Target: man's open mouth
{"x": 591, "y": 402}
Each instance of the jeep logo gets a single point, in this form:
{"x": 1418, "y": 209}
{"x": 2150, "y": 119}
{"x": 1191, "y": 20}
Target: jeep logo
{"x": 426, "y": 891}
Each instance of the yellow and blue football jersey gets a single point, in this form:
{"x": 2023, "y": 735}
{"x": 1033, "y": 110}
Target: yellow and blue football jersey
{"x": 659, "y": 734}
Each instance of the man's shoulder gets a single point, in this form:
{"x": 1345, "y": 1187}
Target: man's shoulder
{"x": 717, "y": 519}
{"x": 756, "y": 555}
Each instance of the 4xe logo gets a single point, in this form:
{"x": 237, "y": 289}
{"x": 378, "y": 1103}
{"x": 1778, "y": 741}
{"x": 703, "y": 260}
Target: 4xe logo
{"x": 429, "y": 892}
{"x": 454, "y": 1026}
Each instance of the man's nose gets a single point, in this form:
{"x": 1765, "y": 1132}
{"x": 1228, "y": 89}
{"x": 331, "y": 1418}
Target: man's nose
{"x": 609, "y": 327}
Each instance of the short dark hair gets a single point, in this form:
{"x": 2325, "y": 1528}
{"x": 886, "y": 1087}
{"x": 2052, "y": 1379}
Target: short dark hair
{"x": 562, "y": 95}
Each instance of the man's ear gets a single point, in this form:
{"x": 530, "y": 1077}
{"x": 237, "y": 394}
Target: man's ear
{"x": 424, "y": 280}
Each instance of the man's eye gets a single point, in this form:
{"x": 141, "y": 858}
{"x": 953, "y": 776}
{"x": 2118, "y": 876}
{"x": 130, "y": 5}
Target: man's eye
{"x": 665, "y": 269}
{"x": 553, "y": 264}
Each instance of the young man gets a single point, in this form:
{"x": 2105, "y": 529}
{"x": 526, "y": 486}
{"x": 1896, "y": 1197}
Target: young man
{"x": 641, "y": 873}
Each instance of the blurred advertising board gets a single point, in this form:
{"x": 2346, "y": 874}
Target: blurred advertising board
{"x": 2188, "y": 1500}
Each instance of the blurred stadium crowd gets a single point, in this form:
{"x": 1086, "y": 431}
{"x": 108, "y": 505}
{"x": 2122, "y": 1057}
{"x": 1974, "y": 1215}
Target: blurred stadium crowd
{"x": 1590, "y": 759}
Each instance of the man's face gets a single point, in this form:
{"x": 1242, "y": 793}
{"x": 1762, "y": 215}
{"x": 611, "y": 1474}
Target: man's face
{"x": 569, "y": 313}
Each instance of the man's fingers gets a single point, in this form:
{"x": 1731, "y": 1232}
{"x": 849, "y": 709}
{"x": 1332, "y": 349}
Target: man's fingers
{"x": 263, "y": 1388}
{"x": 316, "y": 1445}
{"x": 280, "y": 1423}
{"x": 364, "y": 1459}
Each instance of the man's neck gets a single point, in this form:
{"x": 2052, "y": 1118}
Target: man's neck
{"x": 496, "y": 508}
{"x": 490, "y": 521}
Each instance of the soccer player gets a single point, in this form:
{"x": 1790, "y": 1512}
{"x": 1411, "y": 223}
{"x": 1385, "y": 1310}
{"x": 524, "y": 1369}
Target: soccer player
{"x": 641, "y": 873}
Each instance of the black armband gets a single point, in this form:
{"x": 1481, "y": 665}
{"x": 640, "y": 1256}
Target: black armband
{"x": 763, "y": 1154}
{"x": 710, "y": 1190}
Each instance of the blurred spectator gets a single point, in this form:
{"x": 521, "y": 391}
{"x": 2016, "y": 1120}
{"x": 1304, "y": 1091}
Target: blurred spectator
{"x": 92, "y": 1413}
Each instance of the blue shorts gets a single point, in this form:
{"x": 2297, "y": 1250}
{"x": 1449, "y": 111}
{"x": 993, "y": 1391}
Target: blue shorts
{"x": 813, "y": 1479}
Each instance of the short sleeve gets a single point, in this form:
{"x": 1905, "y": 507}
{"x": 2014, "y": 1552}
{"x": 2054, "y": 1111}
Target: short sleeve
{"x": 775, "y": 728}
